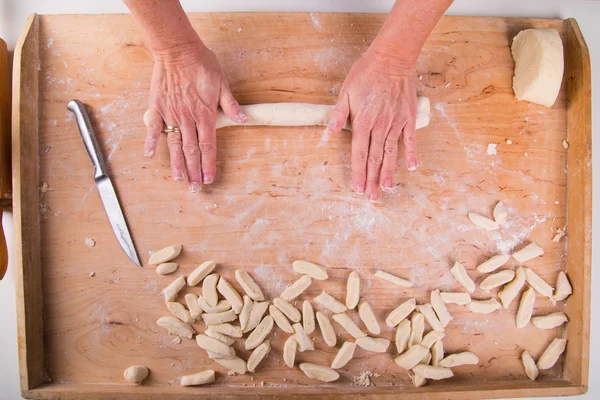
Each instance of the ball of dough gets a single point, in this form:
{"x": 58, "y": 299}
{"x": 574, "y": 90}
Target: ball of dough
{"x": 136, "y": 373}
{"x": 539, "y": 65}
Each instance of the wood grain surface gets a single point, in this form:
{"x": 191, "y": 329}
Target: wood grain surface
{"x": 283, "y": 194}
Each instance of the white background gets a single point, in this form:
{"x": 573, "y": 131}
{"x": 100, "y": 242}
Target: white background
{"x": 13, "y": 14}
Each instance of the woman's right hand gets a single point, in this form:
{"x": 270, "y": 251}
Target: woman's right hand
{"x": 187, "y": 87}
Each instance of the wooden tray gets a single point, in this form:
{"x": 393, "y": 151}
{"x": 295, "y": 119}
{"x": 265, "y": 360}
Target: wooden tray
{"x": 284, "y": 194}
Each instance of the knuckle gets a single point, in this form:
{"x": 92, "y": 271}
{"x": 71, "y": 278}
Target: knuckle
{"x": 375, "y": 159}
{"x": 190, "y": 149}
{"x": 201, "y": 113}
{"x": 391, "y": 151}
{"x": 174, "y": 140}
{"x": 206, "y": 147}
{"x": 361, "y": 155}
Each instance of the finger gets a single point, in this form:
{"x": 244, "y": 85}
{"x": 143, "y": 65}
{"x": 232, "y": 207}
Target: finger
{"x": 339, "y": 114}
{"x": 207, "y": 141}
{"x": 154, "y": 125}
{"x": 230, "y": 105}
{"x": 360, "y": 152}
{"x": 375, "y": 160}
{"x": 390, "y": 156}
{"x": 174, "y": 145}
{"x": 191, "y": 152}
{"x": 409, "y": 136}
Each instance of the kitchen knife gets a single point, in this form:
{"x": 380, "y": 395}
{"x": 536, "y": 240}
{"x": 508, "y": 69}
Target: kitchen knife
{"x": 103, "y": 182}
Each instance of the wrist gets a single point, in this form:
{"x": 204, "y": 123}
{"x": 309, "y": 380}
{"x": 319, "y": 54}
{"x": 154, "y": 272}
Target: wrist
{"x": 178, "y": 51}
{"x": 388, "y": 62}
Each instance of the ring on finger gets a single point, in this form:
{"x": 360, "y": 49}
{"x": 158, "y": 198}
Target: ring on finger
{"x": 171, "y": 129}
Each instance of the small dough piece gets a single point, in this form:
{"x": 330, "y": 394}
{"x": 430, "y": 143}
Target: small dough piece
{"x": 201, "y": 272}
{"x": 552, "y": 353}
{"x": 228, "y": 329}
{"x": 89, "y": 242}
{"x": 437, "y": 353}
{"x": 527, "y": 253}
{"x": 539, "y": 65}
{"x": 313, "y": 270}
{"x": 166, "y": 254}
{"x": 245, "y": 313}
{"x": 249, "y": 286}
{"x": 259, "y": 334}
{"x": 530, "y": 368}
{"x": 346, "y": 322}
{"x": 493, "y": 263}
{"x": 417, "y": 380}
{"x": 344, "y": 355}
{"x": 549, "y": 321}
{"x": 401, "y": 312}
{"x": 304, "y": 342}
{"x": 563, "y": 287}
{"x": 456, "y": 298}
{"x": 221, "y": 306}
{"x": 166, "y": 268}
{"x": 280, "y": 319}
{"x": 511, "y": 289}
{"x": 296, "y": 288}
{"x": 539, "y": 284}
{"x": 180, "y": 312}
{"x": 192, "y": 303}
{"x": 287, "y": 309}
{"x": 432, "y": 372}
{"x": 411, "y": 357}
{"x": 426, "y": 359}
{"x": 483, "y": 222}
{"x": 352, "y": 290}
{"x": 230, "y": 294}
{"x": 219, "y": 318}
{"x": 329, "y": 302}
{"x": 525, "y": 308}
{"x": 213, "y": 345}
{"x": 393, "y": 279}
{"x": 440, "y": 308}
{"x": 365, "y": 312}
{"x": 497, "y": 279}
{"x": 176, "y": 327}
{"x": 136, "y": 373}
{"x": 376, "y": 345}
{"x": 327, "y": 330}
{"x": 319, "y": 372}
{"x": 458, "y": 359}
{"x": 460, "y": 273}
{"x": 201, "y": 378}
{"x": 417, "y": 323}
{"x": 235, "y": 364}
{"x": 430, "y": 317}
{"x": 258, "y": 355}
{"x": 214, "y": 356}
{"x": 500, "y": 213}
{"x": 289, "y": 351}
{"x": 430, "y": 338}
{"x": 308, "y": 317}
{"x": 219, "y": 336}
{"x": 209, "y": 289}
{"x": 402, "y": 336}
{"x": 483, "y": 306}
{"x": 173, "y": 289}
{"x": 258, "y": 310}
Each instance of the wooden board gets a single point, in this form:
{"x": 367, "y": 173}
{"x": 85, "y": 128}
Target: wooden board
{"x": 284, "y": 194}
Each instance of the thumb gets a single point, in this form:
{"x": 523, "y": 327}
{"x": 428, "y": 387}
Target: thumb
{"x": 230, "y": 106}
{"x": 339, "y": 114}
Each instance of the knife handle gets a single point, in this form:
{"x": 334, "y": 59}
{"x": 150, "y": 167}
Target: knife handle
{"x": 89, "y": 138}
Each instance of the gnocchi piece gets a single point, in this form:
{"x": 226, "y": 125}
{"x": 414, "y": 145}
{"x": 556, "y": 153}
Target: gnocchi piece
{"x": 493, "y": 263}
{"x": 352, "y": 290}
{"x": 483, "y": 222}
{"x": 329, "y": 302}
{"x": 394, "y": 279}
{"x": 500, "y": 213}
{"x": 376, "y": 345}
{"x": 432, "y": 372}
{"x": 289, "y": 351}
{"x": 213, "y": 345}
{"x": 228, "y": 329}
{"x": 401, "y": 312}
{"x": 529, "y": 364}
{"x": 176, "y": 327}
{"x": 259, "y": 334}
{"x": 539, "y": 284}
{"x": 180, "y": 312}
{"x": 458, "y": 359}
{"x": 460, "y": 273}
{"x": 413, "y": 356}
{"x": 552, "y": 353}
{"x": 230, "y": 294}
{"x": 319, "y": 372}
{"x": 219, "y": 318}
{"x": 304, "y": 342}
{"x": 235, "y": 364}
{"x": 417, "y": 323}
{"x": 440, "y": 308}
{"x": 365, "y": 312}
{"x": 327, "y": 330}
{"x": 221, "y": 306}
{"x": 430, "y": 317}
{"x": 525, "y": 308}
{"x": 245, "y": 312}
{"x": 209, "y": 289}
{"x": 280, "y": 320}
{"x": 313, "y": 270}
{"x": 527, "y": 253}
{"x": 171, "y": 291}
{"x": 483, "y": 306}
{"x": 549, "y": 321}
{"x": 497, "y": 279}
{"x": 287, "y": 309}
{"x": 430, "y": 338}
{"x": 511, "y": 289}
{"x": 219, "y": 336}
{"x": 200, "y": 272}
{"x": 136, "y": 373}
{"x": 166, "y": 254}
{"x": 402, "y": 336}
{"x": 344, "y": 355}
{"x": 166, "y": 268}
{"x": 201, "y": 378}
{"x": 258, "y": 310}
{"x": 563, "y": 287}
{"x": 346, "y": 322}
{"x": 458, "y": 298}
{"x": 296, "y": 288}
{"x": 191, "y": 300}
{"x": 258, "y": 355}
{"x": 308, "y": 317}
{"x": 249, "y": 285}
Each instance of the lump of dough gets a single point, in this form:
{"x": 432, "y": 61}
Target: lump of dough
{"x": 539, "y": 65}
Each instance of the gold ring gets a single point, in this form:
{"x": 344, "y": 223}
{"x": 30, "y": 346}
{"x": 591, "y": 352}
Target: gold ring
{"x": 171, "y": 129}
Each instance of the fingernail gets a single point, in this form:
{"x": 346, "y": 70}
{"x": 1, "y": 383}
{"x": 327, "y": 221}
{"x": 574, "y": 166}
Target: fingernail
{"x": 240, "y": 118}
{"x": 360, "y": 189}
{"x": 178, "y": 175}
{"x": 193, "y": 187}
{"x": 412, "y": 166}
{"x": 373, "y": 197}
{"x": 208, "y": 179}
{"x": 330, "y": 127}
{"x": 149, "y": 153}
{"x": 387, "y": 185}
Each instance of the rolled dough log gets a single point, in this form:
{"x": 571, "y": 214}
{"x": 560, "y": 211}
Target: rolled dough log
{"x": 539, "y": 65}
{"x": 300, "y": 114}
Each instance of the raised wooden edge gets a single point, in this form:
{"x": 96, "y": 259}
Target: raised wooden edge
{"x": 28, "y": 276}
{"x": 579, "y": 203}
{"x": 443, "y": 391}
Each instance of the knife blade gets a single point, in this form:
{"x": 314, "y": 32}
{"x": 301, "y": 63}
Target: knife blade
{"x": 103, "y": 182}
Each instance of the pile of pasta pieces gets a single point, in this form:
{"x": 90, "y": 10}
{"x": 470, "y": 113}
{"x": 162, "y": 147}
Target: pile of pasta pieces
{"x": 230, "y": 316}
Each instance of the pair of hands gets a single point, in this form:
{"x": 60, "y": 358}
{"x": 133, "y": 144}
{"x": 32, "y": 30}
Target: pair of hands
{"x": 186, "y": 91}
